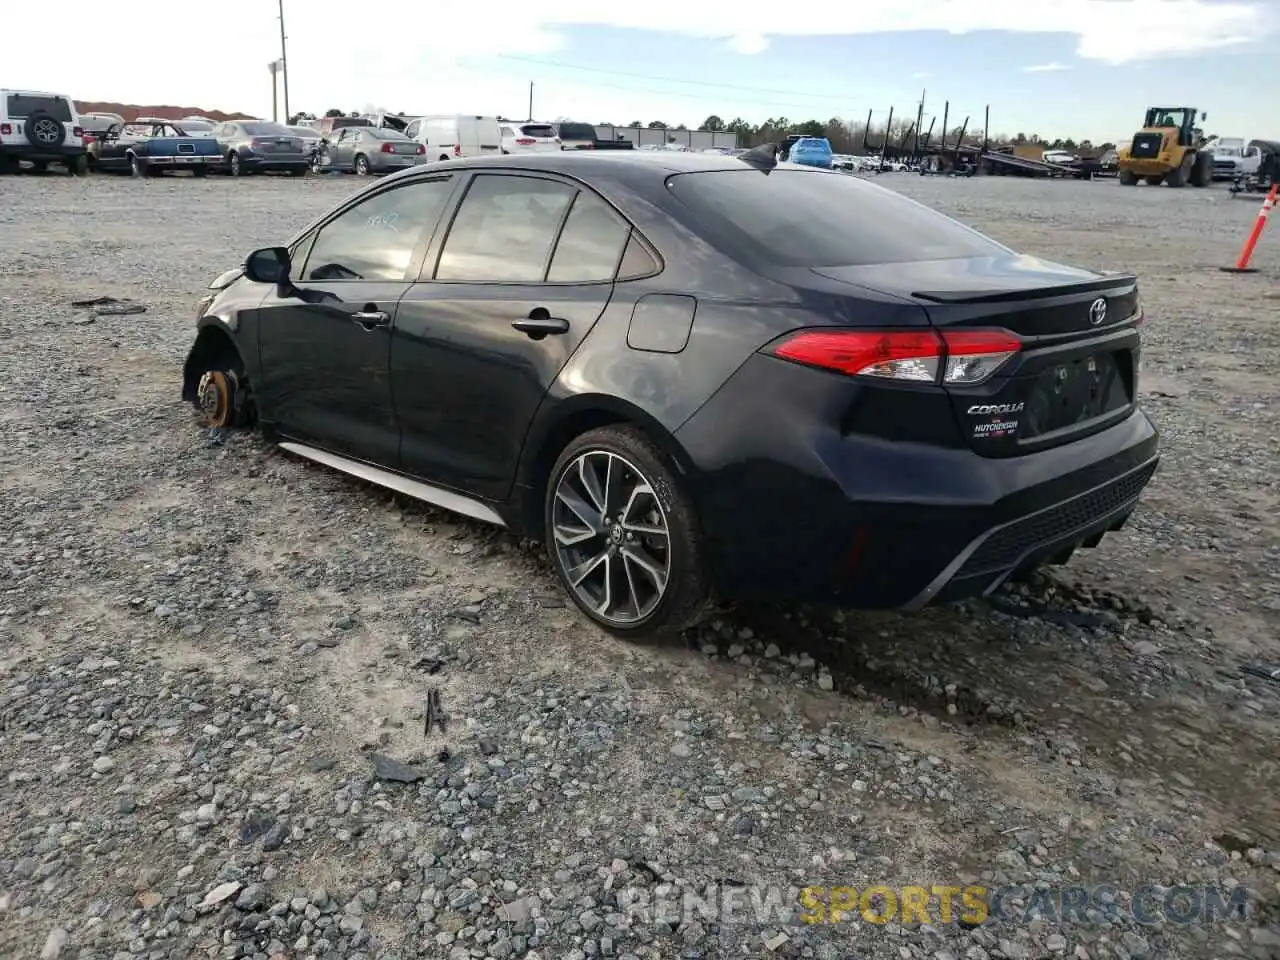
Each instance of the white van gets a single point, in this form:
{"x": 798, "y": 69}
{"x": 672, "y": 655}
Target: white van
{"x": 450, "y": 137}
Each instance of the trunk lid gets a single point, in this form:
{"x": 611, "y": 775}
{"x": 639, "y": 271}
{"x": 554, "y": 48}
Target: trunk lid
{"x": 1077, "y": 370}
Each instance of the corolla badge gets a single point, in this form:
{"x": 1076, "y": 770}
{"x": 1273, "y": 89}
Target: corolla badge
{"x": 1097, "y": 311}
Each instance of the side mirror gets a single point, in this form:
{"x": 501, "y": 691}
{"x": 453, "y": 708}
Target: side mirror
{"x": 268, "y": 265}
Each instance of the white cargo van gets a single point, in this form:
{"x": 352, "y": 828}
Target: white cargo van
{"x": 450, "y": 137}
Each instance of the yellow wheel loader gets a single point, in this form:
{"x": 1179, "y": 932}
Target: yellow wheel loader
{"x": 1168, "y": 149}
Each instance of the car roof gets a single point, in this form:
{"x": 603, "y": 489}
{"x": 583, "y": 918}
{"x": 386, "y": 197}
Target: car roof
{"x": 588, "y": 162}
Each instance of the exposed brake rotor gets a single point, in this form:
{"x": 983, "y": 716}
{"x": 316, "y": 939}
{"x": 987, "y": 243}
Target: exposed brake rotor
{"x": 216, "y": 397}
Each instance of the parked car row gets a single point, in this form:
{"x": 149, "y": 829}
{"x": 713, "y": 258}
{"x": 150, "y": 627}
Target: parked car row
{"x": 45, "y": 128}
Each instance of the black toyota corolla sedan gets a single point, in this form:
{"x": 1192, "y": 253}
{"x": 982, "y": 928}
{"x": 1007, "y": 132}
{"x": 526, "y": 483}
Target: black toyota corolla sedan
{"x": 695, "y": 377}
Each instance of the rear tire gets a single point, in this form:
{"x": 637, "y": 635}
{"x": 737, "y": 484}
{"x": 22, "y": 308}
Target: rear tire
{"x": 623, "y": 535}
{"x": 1127, "y": 178}
{"x": 77, "y": 166}
{"x": 361, "y": 165}
{"x": 234, "y": 166}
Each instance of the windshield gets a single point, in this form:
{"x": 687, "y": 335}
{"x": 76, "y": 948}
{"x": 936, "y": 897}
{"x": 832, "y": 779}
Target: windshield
{"x": 265, "y": 129}
{"x": 1167, "y": 117}
{"x": 811, "y": 219}
{"x": 577, "y": 131}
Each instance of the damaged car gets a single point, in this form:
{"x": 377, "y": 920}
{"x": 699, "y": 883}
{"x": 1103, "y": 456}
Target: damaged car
{"x": 613, "y": 355}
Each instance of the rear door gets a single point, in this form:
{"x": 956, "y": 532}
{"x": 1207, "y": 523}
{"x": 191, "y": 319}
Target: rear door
{"x": 487, "y": 136}
{"x": 522, "y": 276}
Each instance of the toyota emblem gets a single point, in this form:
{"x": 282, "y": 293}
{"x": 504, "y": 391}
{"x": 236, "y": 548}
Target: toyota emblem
{"x": 1097, "y": 311}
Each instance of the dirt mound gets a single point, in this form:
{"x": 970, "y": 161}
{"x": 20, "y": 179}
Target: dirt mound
{"x": 131, "y": 111}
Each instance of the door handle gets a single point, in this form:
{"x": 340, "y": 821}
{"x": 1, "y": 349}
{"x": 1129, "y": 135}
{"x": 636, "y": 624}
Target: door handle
{"x": 371, "y": 319}
{"x": 540, "y": 323}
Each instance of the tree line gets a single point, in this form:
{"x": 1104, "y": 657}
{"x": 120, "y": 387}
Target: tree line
{"x": 845, "y": 137}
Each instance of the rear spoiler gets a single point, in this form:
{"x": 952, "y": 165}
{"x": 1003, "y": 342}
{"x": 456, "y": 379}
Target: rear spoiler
{"x": 1003, "y": 296}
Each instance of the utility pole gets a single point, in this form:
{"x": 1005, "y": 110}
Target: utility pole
{"x": 530, "y": 99}
{"x": 284, "y": 63}
{"x": 273, "y": 66}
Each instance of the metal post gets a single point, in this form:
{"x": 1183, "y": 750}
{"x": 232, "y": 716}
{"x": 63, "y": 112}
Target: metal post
{"x": 284, "y": 63}
{"x": 530, "y": 100}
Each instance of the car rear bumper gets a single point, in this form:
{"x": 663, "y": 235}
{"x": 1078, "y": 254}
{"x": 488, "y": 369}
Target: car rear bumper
{"x": 794, "y": 509}
{"x": 275, "y": 161}
{"x": 182, "y": 160}
{"x": 384, "y": 163}
{"x": 25, "y": 151}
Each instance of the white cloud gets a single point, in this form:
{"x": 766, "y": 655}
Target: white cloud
{"x": 749, "y": 44}
{"x": 435, "y": 57}
{"x": 1054, "y": 67}
{"x": 922, "y": 75}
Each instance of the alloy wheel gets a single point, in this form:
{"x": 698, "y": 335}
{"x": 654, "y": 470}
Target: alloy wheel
{"x": 612, "y": 538}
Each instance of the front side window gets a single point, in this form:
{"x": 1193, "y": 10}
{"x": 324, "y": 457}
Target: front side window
{"x": 504, "y": 230}
{"x": 590, "y": 244}
{"x": 799, "y": 218}
{"x": 375, "y": 239}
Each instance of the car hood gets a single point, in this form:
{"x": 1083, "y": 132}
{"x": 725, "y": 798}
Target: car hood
{"x": 967, "y": 277}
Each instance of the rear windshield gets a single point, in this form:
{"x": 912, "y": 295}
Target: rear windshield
{"x": 577, "y": 131}
{"x": 302, "y": 132}
{"x": 265, "y": 130}
{"x": 818, "y": 146}
{"x": 383, "y": 134}
{"x": 21, "y": 106}
{"x": 195, "y": 126}
{"x": 813, "y": 219}
{"x": 538, "y": 130}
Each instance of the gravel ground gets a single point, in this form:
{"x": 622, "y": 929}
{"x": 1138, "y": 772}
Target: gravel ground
{"x": 215, "y": 660}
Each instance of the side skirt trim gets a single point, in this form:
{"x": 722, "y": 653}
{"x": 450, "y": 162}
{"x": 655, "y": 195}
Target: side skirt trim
{"x": 437, "y": 497}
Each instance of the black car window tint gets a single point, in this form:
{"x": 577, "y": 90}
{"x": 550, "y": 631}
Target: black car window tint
{"x": 375, "y": 239}
{"x": 504, "y": 230}
{"x": 590, "y": 244}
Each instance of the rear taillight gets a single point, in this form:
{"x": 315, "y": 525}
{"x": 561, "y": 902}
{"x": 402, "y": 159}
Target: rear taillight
{"x": 525, "y": 141}
{"x": 457, "y": 149}
{"x": 948, "y": 357}
{"x": 77, "y": 131}
{"x": 388, "y": 148}
{"x": 5, "y": 129}
{"x": 421, "y": 150}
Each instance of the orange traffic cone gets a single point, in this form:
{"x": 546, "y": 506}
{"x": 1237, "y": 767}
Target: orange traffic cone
{"x": 1242, "y": 264}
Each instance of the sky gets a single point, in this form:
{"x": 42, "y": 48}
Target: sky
{"x": 1084, "y": 69}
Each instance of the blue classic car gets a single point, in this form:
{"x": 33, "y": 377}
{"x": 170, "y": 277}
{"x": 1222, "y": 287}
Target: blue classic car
{"x": 812, "y": 152}
{"x": 148, "y": 148}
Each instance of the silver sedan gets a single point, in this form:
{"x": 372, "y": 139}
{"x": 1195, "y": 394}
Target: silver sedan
{"x": 366, "y": 150}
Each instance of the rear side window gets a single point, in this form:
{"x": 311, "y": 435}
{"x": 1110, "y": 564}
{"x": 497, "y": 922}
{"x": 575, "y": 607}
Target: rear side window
{"x": 577, "y": 131}
{"x": 504, "y": 230}
{"x": 21, "y": 106}
{"x": 802, "y": 219}
{"x": 591, "y": 243}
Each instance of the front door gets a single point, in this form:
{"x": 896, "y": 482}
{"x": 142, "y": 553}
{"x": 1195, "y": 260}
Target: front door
{"x": 325, "y": 350}
{"x": 526, "y": 270}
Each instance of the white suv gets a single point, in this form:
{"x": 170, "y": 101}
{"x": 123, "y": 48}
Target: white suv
{"x": 529, "y": 138}
{"x": 42, "y": 128}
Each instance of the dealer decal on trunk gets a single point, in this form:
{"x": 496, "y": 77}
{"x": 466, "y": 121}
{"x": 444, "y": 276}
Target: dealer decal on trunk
{"x": 995, "y": 428}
